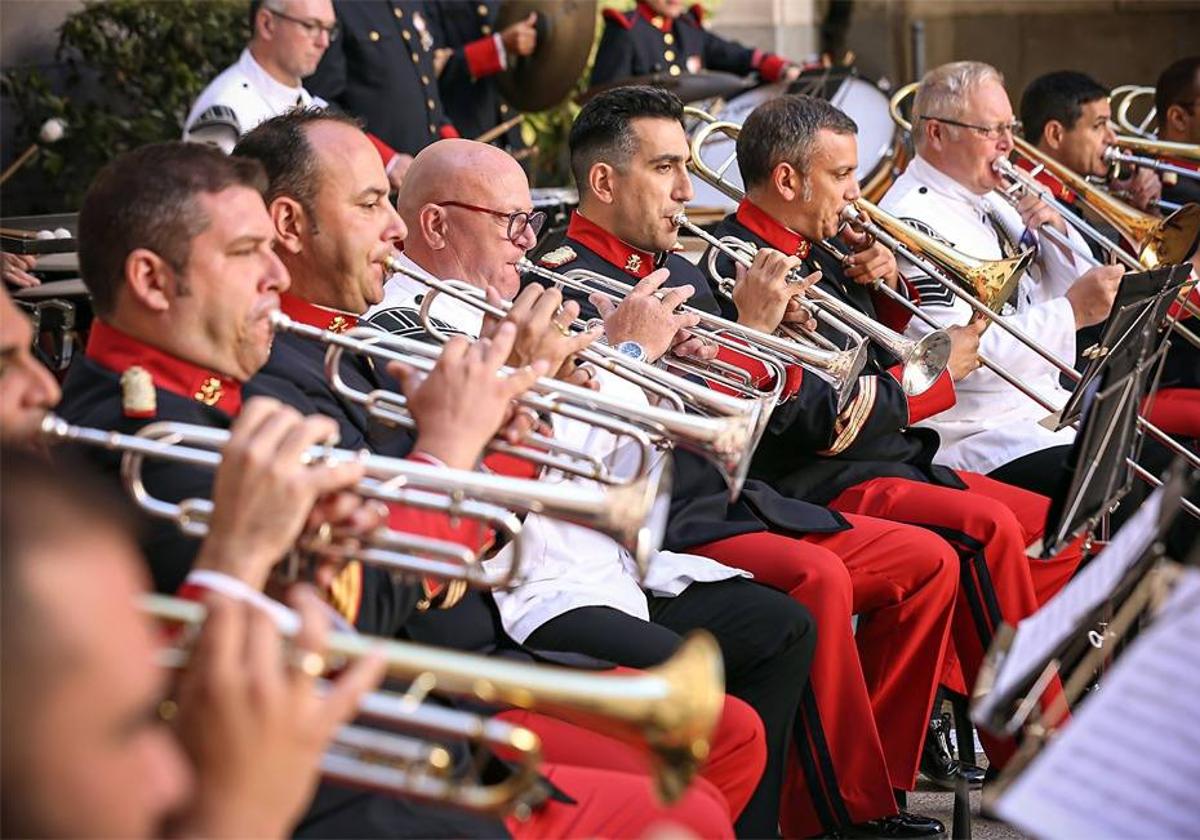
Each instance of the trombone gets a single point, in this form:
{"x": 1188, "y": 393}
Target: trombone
{"x": 724, "y": 429}
{"x": 1147, "y": 153}
{"x": 634, "y": 515}
{"x": 923, "y": 360}
{"x": 672, "y": 708}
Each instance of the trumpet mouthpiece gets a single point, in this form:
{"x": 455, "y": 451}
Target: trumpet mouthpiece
{"x": 391, "y": 262}
{"x": 679, "y": 219}
{"x": 278, "y": 320}
{"x": 523, "y": 265}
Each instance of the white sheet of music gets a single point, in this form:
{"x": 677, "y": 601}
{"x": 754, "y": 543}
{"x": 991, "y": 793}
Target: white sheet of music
{"x": 1128, "y": 764}
{"x": 1040, "y": 634}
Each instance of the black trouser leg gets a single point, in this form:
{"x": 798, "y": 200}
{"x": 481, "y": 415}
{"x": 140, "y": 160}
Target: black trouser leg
{"x": 767, "y": 641}
{"x": 1044, "y": 471}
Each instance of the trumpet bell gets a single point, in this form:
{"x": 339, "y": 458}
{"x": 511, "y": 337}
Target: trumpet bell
{"x": 925, "y": 362}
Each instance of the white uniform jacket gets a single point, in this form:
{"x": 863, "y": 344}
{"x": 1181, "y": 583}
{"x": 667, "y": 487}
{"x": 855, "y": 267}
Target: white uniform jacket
{"x": 564, "y": 566}
{"x": 992, "y": 423}
{"x": 237, "y": 100}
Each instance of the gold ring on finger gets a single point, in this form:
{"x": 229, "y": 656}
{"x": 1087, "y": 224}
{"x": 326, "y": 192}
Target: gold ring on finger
{"x": 565, "y": 331}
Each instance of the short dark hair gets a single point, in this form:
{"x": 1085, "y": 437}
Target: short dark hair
{"x": 1176, "y": 85}
{"x": 784, "y": 129}
{"x": 146, "y": 198}
{"x": 1057, "y": 96}
{"x": 255, "y": 5}
{"x": 603, "y": 129}
{"x": 281, "y": 145}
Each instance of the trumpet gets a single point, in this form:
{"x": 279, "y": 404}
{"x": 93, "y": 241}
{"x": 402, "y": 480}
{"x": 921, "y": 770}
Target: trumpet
{"x": 724, "y": 429}
{"x": 634, "y": 515}
{"x": 672, "y": 708}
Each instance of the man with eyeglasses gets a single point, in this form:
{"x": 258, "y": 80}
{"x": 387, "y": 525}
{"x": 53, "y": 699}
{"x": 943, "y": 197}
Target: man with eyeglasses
{"x": 962, "y": 124}
{"x": 288, "y": 39}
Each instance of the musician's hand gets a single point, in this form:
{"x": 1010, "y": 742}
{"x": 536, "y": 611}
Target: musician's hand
{"x": 1143, "y": 189}
{"x": 16, "y": 268}
{"x": 646, "y": 315}
{"x": 688, "y": 345}
{"x": 465, "y": 399}
{"x": 441, "y": 57}
{"x": 869, "y": 260}
{"x": 397, "y": 168}
{"x": 581, "y": 375}
{"x": 798, "y": 315}
{"x": 790, "y": 73}
{"x": 1092, "y": 295}
{"x": 263, "y": 493}
{"x": 543, "y": 325}
{"x": 762, "y": 292}
{"x": 964, "y": 348}
{"x": 520, "y": 38}
{"x": 252, "y": 721}
{"x": 347, "y": 520}
{"x": 1035, "y": 213}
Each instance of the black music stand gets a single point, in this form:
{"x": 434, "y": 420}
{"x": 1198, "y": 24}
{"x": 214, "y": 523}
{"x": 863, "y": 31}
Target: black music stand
{"x": 1141, "y": 304}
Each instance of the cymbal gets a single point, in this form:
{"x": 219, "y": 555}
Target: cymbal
{"x": 689, "y": 87}
{"x": 566, "y": 29}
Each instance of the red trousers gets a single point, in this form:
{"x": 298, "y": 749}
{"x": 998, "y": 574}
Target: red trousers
{"x": 609, "y": 803}
{"x": 1176, "y": 411}
{"x": 989, "y": 525}
{"x": 734, "y": 765}
{"x": 864, "y": 714}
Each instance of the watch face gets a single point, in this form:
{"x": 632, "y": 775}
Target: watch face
{"x": 632, "y": 349}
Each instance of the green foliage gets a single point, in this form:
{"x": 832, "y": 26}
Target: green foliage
{"x": 134, "y": 67}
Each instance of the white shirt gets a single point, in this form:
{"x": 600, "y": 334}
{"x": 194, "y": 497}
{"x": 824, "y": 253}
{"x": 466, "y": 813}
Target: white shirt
{"x": 992, "y": 423}
{"x": 237, "y": 100}
{"x": 563, "y": 566}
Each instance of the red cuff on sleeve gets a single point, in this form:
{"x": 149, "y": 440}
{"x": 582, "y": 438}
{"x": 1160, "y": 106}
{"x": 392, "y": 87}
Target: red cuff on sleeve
{"x": 511, "y": 466}
{"x": 448, "y": 132}
{"x": 891, "y": 313}
{"x": 386, "y": 152}
{"x": 483, "y": 59}
{"x": 771, "y": 67}
{"x": 937, "y": 398}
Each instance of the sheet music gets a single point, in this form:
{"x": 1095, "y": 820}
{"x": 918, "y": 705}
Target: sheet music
{"x": 1039, "y": 635}
{"x": 1128, "y": 765}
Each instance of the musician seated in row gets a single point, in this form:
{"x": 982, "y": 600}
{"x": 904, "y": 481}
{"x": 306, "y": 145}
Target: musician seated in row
{"x": 287, "y": 40}
{"x": 629, "y": 153}
{"x": 334, "y": 232}
{"x": 85, "y": 751}
{"x": 326, "y": 288}
{"x": 662, "y": 37}
{"x": 1177, "y": 103}
{"x": 1066, "y": 115}
{"x": 962, "y": 124}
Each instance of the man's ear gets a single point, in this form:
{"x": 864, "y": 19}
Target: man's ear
{"x": 601, "y": 179}
{"x": 291, "y": 224}
{"x": 149, "y": 280}
{"x": 431, "y": 221}
{"x": 1175, "y": 117}
{"x": 1052, "y": 135}
{"x": 787, "y": 181}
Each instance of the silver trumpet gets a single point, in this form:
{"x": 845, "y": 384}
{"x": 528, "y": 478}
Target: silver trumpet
{"x": 723, "y": 429}
{"x": 671, "y": 709}
{"x": 634, "y": 514}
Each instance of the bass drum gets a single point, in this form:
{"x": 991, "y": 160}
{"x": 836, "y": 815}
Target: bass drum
{"x": 880, "y": 143}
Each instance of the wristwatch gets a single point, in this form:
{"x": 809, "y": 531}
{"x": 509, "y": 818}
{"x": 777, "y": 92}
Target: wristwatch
{"x": 632, "y": 349}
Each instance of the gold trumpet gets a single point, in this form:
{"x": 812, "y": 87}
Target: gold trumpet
{"x": 634, "y": 515}
{"x": 672, "y": 708}
{"x": 723, "y": 428}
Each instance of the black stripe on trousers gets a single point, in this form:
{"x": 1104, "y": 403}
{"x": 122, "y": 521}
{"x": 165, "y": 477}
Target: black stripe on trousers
{"x": 822, "y": 784}
{"x": 982, "y": 599}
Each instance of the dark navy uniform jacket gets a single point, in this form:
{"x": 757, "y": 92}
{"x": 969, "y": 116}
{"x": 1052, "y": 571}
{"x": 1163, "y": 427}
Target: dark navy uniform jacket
{"x": 380, "y": 69}
{"x": 701, "y": 511}
{"x": 468, "y": 82}
{"x": 810, "y": 449}
{"x": 640, "y": 42}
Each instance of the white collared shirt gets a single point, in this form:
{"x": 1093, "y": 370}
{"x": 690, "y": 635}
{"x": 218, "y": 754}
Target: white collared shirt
{"x": 251, "y": 96}
{"x": 564, "y": 566}
{"x": 992, "y": 423}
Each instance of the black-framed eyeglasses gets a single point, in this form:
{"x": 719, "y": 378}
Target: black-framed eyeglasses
{"x": 992, "y": 132}
{"x": 312, "y": 28}
{"x": 518, "y": 222}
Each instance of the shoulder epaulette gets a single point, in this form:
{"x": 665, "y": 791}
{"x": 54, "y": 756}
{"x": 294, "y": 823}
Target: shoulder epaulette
{"x": 559, "y": 256}
{"x": 622, "y": 19}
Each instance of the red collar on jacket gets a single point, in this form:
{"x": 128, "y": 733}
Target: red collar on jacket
{"x": 767, "y": 227}
{"x": 1047, "y": 179}
{"x": 660, "y": 22}
{"x": 590, "y": 235}
{"x": 320, "y": 317}
{"x": 135, "y": 361}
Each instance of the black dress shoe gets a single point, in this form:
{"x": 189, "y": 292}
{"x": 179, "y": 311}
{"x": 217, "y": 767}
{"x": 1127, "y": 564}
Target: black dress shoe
{"x": 938, "y": 763}
{"x": 904, "y": 824}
